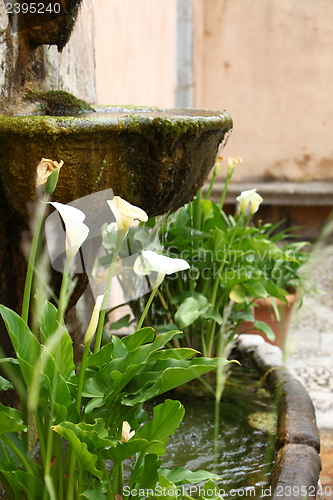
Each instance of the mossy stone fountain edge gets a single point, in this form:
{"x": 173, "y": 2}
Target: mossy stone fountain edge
{"x": 297, "y": 465}
{"x": 156, "y": 160}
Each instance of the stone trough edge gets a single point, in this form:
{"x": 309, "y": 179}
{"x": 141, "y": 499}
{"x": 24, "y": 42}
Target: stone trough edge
{"x": 297, "y": 467}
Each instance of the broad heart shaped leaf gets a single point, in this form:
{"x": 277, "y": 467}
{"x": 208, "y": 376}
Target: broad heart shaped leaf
{"x": 122, "y": 451}
{"x": 49, "y": 320}
{"x": 265, "y": 328}
{"x": 168, "y": 490}
{"x": 191, "y": 309}
{"x": 26, "y": 346}
{"x": 86, "y": 460}
{"x": 167, "y": 417}
{"x": 48, "y": 384}
{"x": 10, "y": 420}
{"x": 5, "y": 384}
{"x": 210, "y": 490}
{"x": 138, "y": 338}
{"x": 95, "y": 436}
{"x": 256, "y": 290}
{"x": 8, "y": 455}
{"x": 182, "y": 475}
{"x": 26, "y": 484}
{"x": 52, "y": 332}
{"x": 148, "y": 472}
{"x": 113, "y": 377}
{"x": 93, "y": 495}
{"x": 148, "y": 385}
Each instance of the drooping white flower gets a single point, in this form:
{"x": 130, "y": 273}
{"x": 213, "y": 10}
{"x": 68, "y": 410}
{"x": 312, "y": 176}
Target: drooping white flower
{"x": 126, "y": 432}
{"x": 249, "y": 198}
{"x": 76, "y": 231}
{"x": 150, "y": 261}
{"x": 125, "y": 213}
{"x": 93, "y": 320}
{"x": 164, "y": 265}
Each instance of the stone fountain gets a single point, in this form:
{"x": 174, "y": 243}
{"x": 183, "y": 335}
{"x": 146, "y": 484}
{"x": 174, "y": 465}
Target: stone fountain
{"x": 155, "y": 159}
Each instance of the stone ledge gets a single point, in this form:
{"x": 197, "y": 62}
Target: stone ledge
{"x": 297, "y": 462}
{"x": 296, "y": 473}
{"x": 315, "y": 193}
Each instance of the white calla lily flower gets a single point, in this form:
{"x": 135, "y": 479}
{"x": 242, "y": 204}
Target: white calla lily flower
{"x": 126, "y": 432}
{"x": 249, "y": 198}
{"x": 162, "y": 264}
{"x": 93, "y": 320}
{"x": 125, "y": 213}
{"x": 76, "y": 231}
{"x": 150, "y": 261}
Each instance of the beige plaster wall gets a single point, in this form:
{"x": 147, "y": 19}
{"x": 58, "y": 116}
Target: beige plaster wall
{"x": 135, "y": 51}
{"x": 269, "y": 63}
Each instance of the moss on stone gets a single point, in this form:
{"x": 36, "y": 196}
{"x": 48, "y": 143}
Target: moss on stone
{"x": 155, "y": 161}
{"x": 57, "y": 103}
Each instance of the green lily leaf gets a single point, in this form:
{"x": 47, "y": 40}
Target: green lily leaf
{"x": 139, "y": 338}
{"x": 245, "y": 315}
{"x": 148, "y": 385}
{"x": 27, "y": 347}
{"x": 231, "y": 277}
{"x": 5, "y": 384}
{"x": 86, "y": 460}
{"x": 52, "y": 333}
{"x": 93, "y": 495}
{"x": 182, "y": 475}
{"x": 10, "y": 420}
{"x": 207, "y": 489}
{"x": 168, "y": 489}
{"x": 148, "y": 473}
{"x": 237, "y": 294}
{"x": 8, "y": 455}
{"x": 265, "y": 328}
{"x": 211, "y": 313}
{"x": 256, "y": 290}
{"x": 123, "y": 451}
{"x": 125, "y": 321}
{"x": 166, "y": 419}
{"x": 191, "y": 309}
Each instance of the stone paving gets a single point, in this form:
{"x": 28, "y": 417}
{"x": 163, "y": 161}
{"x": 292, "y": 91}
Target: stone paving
{"x": 310, "y": 356}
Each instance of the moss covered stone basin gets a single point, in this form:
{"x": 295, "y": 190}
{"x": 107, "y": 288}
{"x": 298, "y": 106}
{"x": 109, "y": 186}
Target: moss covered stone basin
{"x": 155, "y": 159}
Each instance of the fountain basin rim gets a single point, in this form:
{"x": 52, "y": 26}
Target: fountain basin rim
{"x": 297, "y": 463}
{"x": 107, "y": 120}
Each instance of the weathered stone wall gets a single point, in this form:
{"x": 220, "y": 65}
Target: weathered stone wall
{"x": 44, "y": 68}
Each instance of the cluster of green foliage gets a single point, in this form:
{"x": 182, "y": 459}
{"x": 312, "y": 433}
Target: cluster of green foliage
{"x": 233, "y": 262}
{"x": 77, "y": 414}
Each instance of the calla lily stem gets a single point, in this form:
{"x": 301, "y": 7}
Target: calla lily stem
{"x": 32, "y": 260}
{"x": 146, "y": 309}
{"x": 102, "y": 313}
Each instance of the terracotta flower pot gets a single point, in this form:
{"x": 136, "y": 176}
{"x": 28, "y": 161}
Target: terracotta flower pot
{"x": 263, "y": 311}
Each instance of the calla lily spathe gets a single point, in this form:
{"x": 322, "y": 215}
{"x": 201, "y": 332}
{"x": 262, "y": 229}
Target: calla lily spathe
{"x": 125, "y": 213}
{"x": 76, "y": 231}
{"x": 126, "y": 432}
{"x": 93, "y": 320}
{"x": 150, "y": 261}
{"x": 45, "y": 169}
{"x": 160, "y": 263}
{"x": 249, "y": 198}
